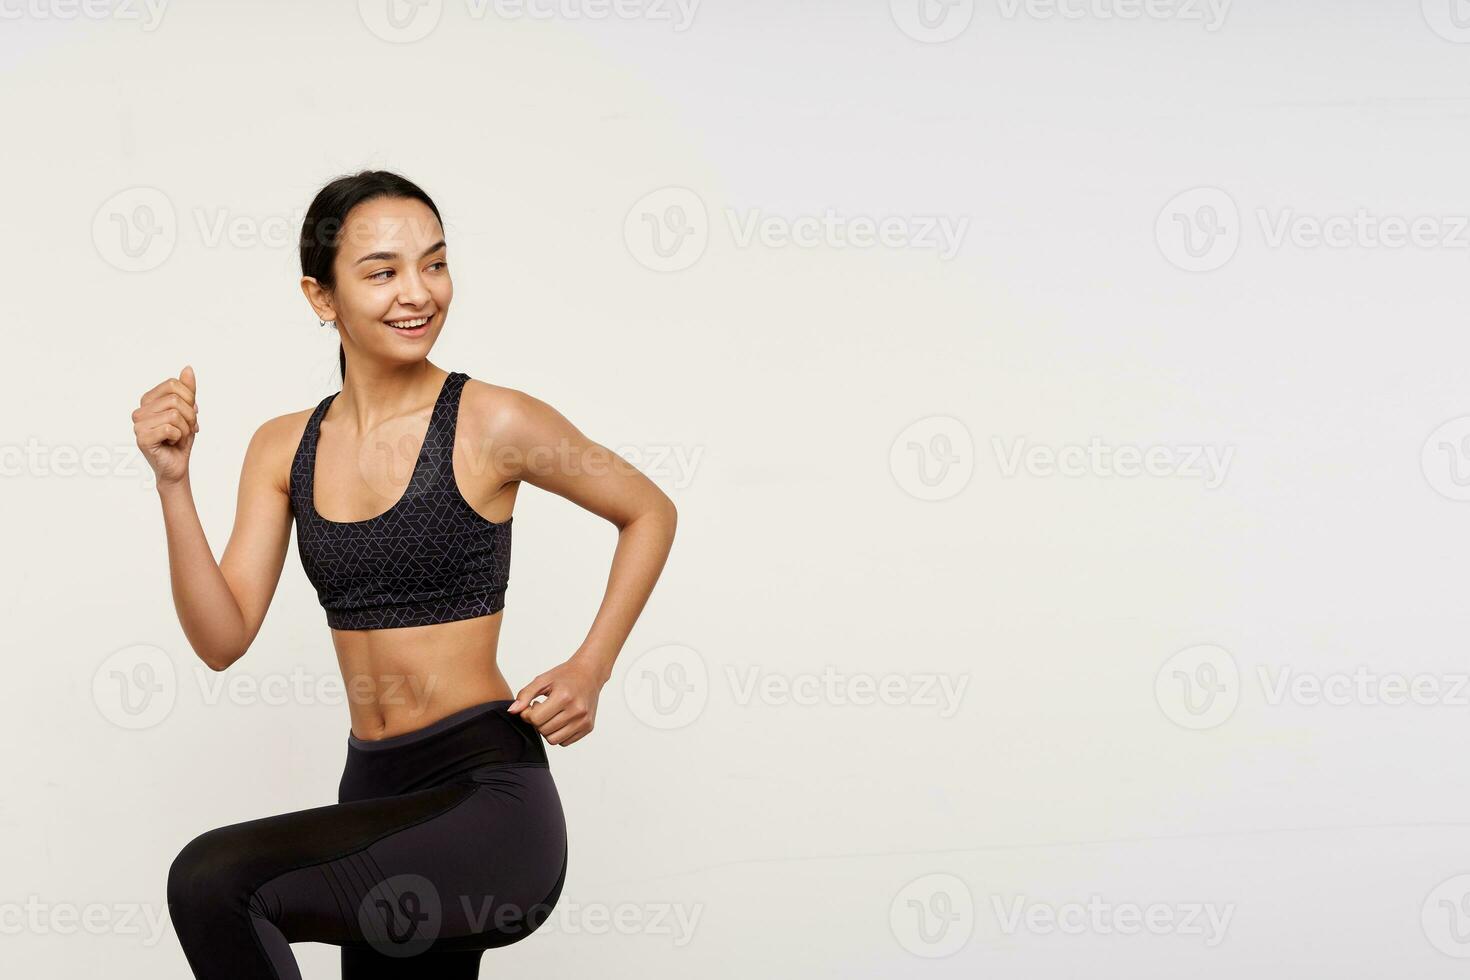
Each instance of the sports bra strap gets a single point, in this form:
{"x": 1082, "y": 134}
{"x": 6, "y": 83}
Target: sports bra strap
{"x": 435, "y": 467}
{"x": 303, "y": 467}
{"x": 435, "y": 462}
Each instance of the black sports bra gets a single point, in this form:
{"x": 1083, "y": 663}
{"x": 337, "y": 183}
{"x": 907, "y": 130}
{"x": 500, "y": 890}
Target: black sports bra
{"x": 430, "y": 558}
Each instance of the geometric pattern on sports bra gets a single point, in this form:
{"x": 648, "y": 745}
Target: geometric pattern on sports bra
{"x": 430, "y": 558}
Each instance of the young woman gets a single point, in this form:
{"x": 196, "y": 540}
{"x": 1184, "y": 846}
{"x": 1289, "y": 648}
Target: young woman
{"x": 448, "y": 836}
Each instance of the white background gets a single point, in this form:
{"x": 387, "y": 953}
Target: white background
{"x": 808, "y": 397}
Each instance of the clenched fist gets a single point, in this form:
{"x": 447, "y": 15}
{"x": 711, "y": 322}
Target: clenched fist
{"x": 165, "y": 423}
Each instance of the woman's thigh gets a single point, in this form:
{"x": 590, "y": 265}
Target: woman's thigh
{"x": 466, "y": 866}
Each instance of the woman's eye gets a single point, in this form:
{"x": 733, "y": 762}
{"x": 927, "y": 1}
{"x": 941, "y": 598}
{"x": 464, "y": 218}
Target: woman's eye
{"x": 440, "y": 262}
{"x": 381, "y": 272}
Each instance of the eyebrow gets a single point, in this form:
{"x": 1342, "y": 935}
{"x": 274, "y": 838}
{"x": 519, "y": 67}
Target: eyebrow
{"x": 383, "y": 256}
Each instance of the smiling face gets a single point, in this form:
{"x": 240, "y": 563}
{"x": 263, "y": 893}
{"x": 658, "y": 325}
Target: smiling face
{"x": 392, "y": 288}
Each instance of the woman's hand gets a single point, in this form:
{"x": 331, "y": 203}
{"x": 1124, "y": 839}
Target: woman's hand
{"x": 165, "y": 423}
{"x": 570, "y": 707}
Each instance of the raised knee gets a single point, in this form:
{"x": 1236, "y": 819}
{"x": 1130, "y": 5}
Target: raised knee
{"x": 207, "y": 874}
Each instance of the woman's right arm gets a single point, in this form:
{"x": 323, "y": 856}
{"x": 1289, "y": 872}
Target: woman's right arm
{"x": 220, "y": 605}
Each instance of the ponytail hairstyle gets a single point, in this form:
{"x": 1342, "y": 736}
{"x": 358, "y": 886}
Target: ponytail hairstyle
{"x": 321, "y": 229}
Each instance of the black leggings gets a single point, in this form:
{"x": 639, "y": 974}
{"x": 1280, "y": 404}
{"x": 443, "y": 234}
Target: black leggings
{"x": 445, "y": 842}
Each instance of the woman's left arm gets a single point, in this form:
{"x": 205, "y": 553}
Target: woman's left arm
{"x": 539, "y": 446}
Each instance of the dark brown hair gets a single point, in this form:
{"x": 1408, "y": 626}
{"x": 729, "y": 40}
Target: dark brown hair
{"x": 321, "y": 229}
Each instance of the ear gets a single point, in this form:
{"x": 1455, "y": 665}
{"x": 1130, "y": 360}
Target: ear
{"x": 320, "y": 298}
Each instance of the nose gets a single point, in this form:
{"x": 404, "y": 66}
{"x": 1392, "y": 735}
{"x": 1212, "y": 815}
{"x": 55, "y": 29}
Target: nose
{"x": 411, "y": 290}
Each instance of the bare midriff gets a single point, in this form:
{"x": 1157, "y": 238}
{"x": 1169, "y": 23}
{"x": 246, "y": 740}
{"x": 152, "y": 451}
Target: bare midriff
{"x": 399, "y": 680}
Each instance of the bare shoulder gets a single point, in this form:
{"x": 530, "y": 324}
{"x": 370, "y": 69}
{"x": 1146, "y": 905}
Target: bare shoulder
{"x": 273, "y": 448}
{"x": 497, "y": 413}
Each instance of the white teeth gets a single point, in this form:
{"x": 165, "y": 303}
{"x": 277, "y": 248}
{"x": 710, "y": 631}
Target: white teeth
{"x": 407, "y": 324}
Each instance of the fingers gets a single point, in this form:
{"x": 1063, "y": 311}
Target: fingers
{"x": 561, "y": 719}
{"x": 175, "y": 409}
{"x": 182, "y": 386}
{"x": 170, "y": 413}
{"x": 539, "y": 684}
{"x": 551, "y": 726}
{"x": 156, "y": 432}
{"x": 167, "y": 432}
{"x": 566, "y": 734}
{"x": 168, "y": 410}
